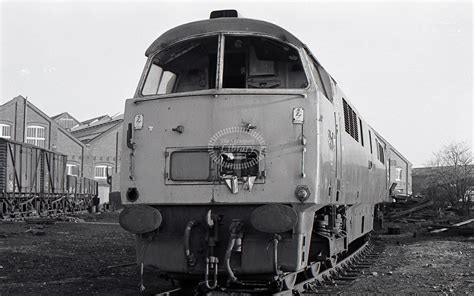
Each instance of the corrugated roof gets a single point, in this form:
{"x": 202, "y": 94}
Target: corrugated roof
{"x": 56, "y": 116}
{"x": 87, "y": 133}
{"x": 98, "y": 118}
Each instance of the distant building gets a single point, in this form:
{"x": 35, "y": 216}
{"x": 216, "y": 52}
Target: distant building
{"x": 65, "y": 120}
{"x": 92, "y": 146}
{"x": 92, "y": 121}
{"x": 22, "y": 121}
{"x": 423, "y": 178}
{"x": 102, "y": 137}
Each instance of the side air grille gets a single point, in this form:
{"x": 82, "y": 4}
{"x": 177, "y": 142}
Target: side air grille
{"x": 351, "y": 121}
{"x": 346, "y": 117}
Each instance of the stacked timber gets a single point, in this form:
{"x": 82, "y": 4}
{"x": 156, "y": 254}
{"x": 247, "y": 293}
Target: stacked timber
{"x": 422, "y": 212}
{"x": 414, "y": 207}
{"x": 462, "y": 227}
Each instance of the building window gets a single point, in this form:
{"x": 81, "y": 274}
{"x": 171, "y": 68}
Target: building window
{"x": 101, "y": 171}
{"x": 35, "y": 135}
{"x": 67, "y": 123}
{"x": 5, "y": 131}
{"x": 72, "y": 169}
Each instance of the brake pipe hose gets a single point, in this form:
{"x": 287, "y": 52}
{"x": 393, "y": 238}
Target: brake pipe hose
{"x": 187, "y": 233}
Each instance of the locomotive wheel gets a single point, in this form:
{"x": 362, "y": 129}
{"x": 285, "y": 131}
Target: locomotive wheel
{"x": 313, "y": 270}
{"x": 331, "y": 262}
{"x": 289, "y": 282}
{"x": 368, "y": 236}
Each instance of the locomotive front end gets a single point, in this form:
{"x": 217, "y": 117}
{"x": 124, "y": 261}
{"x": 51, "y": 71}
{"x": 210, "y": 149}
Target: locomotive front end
{"x": 220, "y": 162}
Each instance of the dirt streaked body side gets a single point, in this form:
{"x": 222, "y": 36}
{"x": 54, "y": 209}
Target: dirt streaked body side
{"x": 341, "y": 179}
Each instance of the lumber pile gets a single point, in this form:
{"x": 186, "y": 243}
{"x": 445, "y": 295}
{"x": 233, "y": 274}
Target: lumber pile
{"x": 459, "y": 228}
{"x": 412, "y": 208}
{"x": 420, "y": 211}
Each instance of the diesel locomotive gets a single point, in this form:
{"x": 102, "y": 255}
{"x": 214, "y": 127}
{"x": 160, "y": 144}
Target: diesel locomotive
{"x": 244, "y": 162}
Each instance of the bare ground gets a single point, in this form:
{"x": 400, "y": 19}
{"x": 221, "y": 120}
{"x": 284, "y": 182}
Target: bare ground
{"x": 426, "y": 266}
{"x": 69, "y": 259}
{"x": 87, "y": 259}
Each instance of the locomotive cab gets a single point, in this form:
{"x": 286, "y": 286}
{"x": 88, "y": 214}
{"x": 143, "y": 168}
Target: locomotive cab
{"x": 248, "y": 62}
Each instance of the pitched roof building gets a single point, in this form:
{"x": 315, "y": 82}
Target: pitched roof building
{"x": 89, "y": 130}
{"x": 22, "y": 121}
{"x": 65, "y": 120}
{"x": 92, "y": 146}
{"x": 102, "y": 137}
{"x": 423, "y": 177}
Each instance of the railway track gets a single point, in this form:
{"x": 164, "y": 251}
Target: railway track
{"x": 331, "y": 281}
{"x": 335, "y": 280}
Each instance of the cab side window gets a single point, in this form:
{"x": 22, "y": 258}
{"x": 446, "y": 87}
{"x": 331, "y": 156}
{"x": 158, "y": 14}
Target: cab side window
{"x": 326, "y": 82}
{"x": 323, "y": 80}
{"x": 186, "y": 66}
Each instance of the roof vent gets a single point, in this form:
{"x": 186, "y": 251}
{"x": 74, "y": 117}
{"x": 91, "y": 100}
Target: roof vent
{"x": 224, "y": 13}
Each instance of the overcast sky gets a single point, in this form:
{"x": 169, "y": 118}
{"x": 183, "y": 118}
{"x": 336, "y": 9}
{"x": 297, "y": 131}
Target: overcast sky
{"x": 406, "y": 67}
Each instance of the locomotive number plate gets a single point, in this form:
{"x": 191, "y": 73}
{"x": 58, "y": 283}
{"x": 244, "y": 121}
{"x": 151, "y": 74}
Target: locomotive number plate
{"x": 138, "y": 122}
{"x": 298, "y": 115}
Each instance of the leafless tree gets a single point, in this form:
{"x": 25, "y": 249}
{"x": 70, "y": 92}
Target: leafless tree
{"x": 452, "y": 175}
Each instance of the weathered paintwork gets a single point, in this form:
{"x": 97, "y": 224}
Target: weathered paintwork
{"x": 345, "y": 178}
{"x": 202, "y": 117}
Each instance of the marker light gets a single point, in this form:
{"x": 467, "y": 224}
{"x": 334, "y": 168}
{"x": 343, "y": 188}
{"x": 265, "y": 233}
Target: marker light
{"x": 302, "y": 192}
{"x": 132, "y": 194}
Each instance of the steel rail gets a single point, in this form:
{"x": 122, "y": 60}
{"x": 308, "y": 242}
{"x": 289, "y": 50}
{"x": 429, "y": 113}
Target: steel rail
{"x": 308, "y": 285}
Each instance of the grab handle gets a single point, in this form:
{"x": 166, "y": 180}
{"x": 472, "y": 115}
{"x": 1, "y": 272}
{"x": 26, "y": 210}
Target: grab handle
{"x": 130, "y": 142}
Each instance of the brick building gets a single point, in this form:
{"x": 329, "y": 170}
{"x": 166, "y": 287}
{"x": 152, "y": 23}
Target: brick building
{"x": 65, "y": 120}
{"x": 422, "y": 178}
{"x": 22, "y": 121}
{"x": 92, "y": 146}
{"x": 102, "y": 137}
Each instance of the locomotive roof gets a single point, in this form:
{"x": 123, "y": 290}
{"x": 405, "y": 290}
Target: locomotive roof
{"x": 226, "y": 24}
